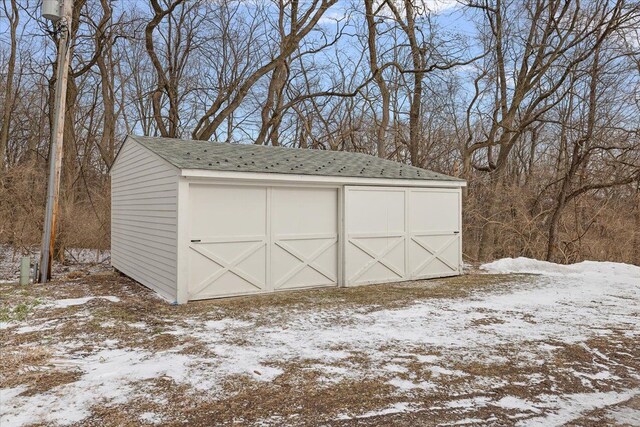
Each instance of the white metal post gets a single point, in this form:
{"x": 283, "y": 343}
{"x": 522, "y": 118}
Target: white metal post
{"x": 57, "y": 133}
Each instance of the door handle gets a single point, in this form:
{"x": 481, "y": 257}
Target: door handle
{"x": 196, "y": 241}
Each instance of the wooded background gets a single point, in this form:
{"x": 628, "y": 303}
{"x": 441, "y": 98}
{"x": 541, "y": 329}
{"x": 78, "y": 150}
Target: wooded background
{"x": 535, "y": 102}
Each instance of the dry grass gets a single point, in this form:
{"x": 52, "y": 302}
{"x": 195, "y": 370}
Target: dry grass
{"x": 303, "y": 394}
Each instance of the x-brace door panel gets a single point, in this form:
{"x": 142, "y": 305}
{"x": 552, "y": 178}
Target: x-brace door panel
{"x": 379, "y": 258}
{"x": 434, "y": 254}
{"x": 434, "y": 230}
{"x": 300, "y": 262}
{"x": 395, "y": 234}
{"x": 375, "y": 235}
{"x": 228, "y": 267}
{"x": 304, "y": 237}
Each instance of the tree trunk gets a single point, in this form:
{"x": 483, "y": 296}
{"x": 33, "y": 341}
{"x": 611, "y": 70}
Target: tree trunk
{"x": 576, "y": 160}
{"x": 107, "y": 141}
{"x": 497, "y": 178}
{"x": 552, "y": 240}
{"x": 487, "y": 238}
{"x": 415, "y": 107}
{"x": 381, "y": 132}
{"x": 8, "y": 97}
{"x": 271, "y": 113}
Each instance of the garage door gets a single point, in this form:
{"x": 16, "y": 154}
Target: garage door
{"x": 395, "y": 234}
{"x": 245, "y": 240}
{"x": 375, "y": 235}
{"x": 434, "y": 233}
{"x": 304, "y": 237}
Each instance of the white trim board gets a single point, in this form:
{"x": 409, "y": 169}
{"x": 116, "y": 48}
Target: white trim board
{"x": 268, "y": 178}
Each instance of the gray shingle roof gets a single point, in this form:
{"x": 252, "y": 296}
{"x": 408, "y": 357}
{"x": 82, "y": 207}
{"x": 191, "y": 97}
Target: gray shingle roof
{"x": 187, "y": 154}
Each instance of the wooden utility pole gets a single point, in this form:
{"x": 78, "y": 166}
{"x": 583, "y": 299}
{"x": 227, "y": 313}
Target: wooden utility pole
{"x": 55, "y": 153}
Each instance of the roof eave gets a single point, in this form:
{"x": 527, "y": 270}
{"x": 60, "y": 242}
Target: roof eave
{"x": 319, "y": 179}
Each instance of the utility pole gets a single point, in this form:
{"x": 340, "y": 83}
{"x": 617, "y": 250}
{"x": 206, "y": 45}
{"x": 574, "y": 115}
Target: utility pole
{"x": 58, "y": 11}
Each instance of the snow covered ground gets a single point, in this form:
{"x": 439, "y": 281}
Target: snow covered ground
{"x": 544, "y": 345}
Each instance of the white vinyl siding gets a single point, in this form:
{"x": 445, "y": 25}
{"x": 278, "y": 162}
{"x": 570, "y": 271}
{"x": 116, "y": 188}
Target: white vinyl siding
{"x": 144, "y": 206}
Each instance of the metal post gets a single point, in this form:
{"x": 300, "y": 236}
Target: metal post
{"x": 57, "y": 132}
{"x": 25, "y": 267}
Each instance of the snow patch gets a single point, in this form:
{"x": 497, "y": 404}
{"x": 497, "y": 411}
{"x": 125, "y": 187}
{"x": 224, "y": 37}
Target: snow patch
{"x": 625, "y": 415}
{"x": 566, "y": 304}
{"x": 406, "y": 385}
{"x": 570, "y": 407}
{"x": 474, "y": 402}
{"x": 70, "y": 302}
{"x": 9, "y": 393}
{"x": 137, "y": 325}
{"x": 397, "y": 369}
{"x": 396, "y": 408}
{"x": 151, "y": 418}
{"x": 107, "y": 378}
{"x": 436, "y": 371}
{"x": 512, "y": 402}
{"x": 225, "y": 324}
{"x": 603, "y": 375}
{"x": 429, "y": 358}
{"x": 585, "y": 268}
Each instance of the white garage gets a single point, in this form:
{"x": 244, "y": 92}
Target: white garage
{"x": 196, "y": 220}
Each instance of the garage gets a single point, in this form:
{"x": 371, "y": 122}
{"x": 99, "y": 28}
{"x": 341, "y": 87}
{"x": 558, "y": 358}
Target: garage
{"x": 197, "y": 220}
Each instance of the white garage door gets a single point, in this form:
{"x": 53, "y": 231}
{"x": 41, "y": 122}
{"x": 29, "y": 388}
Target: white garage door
{"x": 304, "y": 237}
{"x": 375, "y": 235}
{"x": 434, "y": 233}
{"x": 247, "y": 240}
{"x": 395, "y": 234}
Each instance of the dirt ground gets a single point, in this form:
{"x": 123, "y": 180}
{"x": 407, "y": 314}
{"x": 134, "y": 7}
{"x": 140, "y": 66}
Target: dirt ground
{"x": 95, "y": 348}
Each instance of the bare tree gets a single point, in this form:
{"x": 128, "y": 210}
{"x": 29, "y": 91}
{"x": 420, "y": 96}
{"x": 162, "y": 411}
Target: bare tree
{"x": 178, "y": 34}
{"x": 428, "y": 53}
{"x": 305, "y": 21}
{"x": 537, "y": 109}
{"x": 600, "y": 138}
{"x": 14, "y": 18}
{"x": 529, "y": 73}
